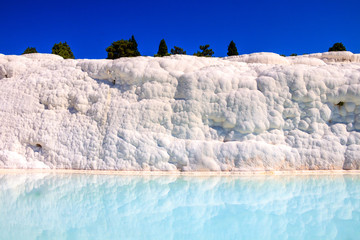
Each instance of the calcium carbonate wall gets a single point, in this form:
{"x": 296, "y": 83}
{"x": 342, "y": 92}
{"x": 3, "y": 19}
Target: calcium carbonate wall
{"x": 251, "y": 112}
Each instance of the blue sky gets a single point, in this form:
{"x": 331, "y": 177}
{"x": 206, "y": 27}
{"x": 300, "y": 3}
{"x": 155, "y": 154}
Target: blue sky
{"x": 280, "y": 26}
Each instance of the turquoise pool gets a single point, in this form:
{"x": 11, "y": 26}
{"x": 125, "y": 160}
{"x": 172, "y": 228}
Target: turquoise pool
{"x": 80, "y": 206}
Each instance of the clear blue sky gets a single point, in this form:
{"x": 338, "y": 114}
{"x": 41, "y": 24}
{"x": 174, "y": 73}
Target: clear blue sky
{"x": 281, "y": 26}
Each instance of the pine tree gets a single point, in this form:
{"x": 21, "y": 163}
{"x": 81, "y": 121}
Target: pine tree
{"x": 123, "y": 48}
{"x": 163, "y": 50}
{"x": 30, "y": 50}
{"x": 232, "y": 50}
{"x": 205, "y": 51}
{"x": 337, "y": 47}
{"x": 134, "y": 46}
{"x": 63, "y": 50}
{"x": 177, "y": 50}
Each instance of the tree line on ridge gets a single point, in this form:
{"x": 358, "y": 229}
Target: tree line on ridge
{"x": 129, "y": 48}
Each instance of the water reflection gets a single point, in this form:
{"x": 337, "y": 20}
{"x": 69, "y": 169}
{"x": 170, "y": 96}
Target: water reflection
{"x": 79, "y": 206}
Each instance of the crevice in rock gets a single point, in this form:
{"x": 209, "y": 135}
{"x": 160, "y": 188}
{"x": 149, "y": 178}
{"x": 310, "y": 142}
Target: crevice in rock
{"x": 72, "y": 110}
{"x": 46, "y": 107}
{"x": 37, "y": 147}
{"x": 340, "y": 104}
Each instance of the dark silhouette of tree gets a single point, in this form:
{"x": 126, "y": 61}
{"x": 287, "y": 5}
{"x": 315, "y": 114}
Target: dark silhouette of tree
{"x": 30, "y": 50}
{"x": 63, "y": 50}
{"x": 134, "y": 46}
{"x": 293, "y": 55}
{"x": 177, "y": 50}
{"x": 163, "y": 50}
{"x": 337, "y": 47}
{"x": 123, "y": 48}
{"x": 232, "y": 50}
{"x": 206, "y": 52}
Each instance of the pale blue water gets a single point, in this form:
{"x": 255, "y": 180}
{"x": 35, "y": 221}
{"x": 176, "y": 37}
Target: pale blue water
{"x": 65, "y": 206}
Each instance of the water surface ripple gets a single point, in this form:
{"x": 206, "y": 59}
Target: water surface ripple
{"x": 81, "y": 206}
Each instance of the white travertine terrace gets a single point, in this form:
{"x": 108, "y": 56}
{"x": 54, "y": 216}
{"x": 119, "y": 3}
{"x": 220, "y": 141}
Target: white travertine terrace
{"x": 251, "y": 112}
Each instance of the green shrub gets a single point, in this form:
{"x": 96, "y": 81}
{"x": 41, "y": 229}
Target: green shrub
{"x": 206, "y": 52}
{"x": 163, "y": 50}
{"x": 123, "y": 48}
{"x": 337, "y": 47}
{"x": 63, "y": 50}
{"x": 30, "y": 50}
{"x": 177, "y": 50}
{"x": 232, "y": 50}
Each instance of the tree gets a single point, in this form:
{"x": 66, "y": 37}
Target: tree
{"x": 30, "y": 50}
{"x": 293, "y": 55}
{"x": 163, "y": 50}
{"x": 337, "y": 47}
{"x": 232, "y": 50}
{"x": 177, "y": 50}
{"x": 134, "y": 46}
{"x": 123, "y": 48}
{"x": 63, "y": 50}
{"x": 205, "y": 51}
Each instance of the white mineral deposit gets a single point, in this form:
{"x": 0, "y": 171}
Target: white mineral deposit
{"x": 251, "y": 112}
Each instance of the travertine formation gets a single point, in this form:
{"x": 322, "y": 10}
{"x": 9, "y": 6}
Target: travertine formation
{"x": 250, "y": 112}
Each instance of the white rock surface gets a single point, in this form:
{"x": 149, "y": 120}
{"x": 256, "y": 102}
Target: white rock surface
{"x": 251, "y": 112}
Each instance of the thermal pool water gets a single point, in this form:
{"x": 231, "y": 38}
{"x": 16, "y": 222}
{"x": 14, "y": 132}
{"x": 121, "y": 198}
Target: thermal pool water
{"x": 88, "y": 206}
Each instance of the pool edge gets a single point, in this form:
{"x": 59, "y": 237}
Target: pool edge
{"x": 179, "y": 173}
